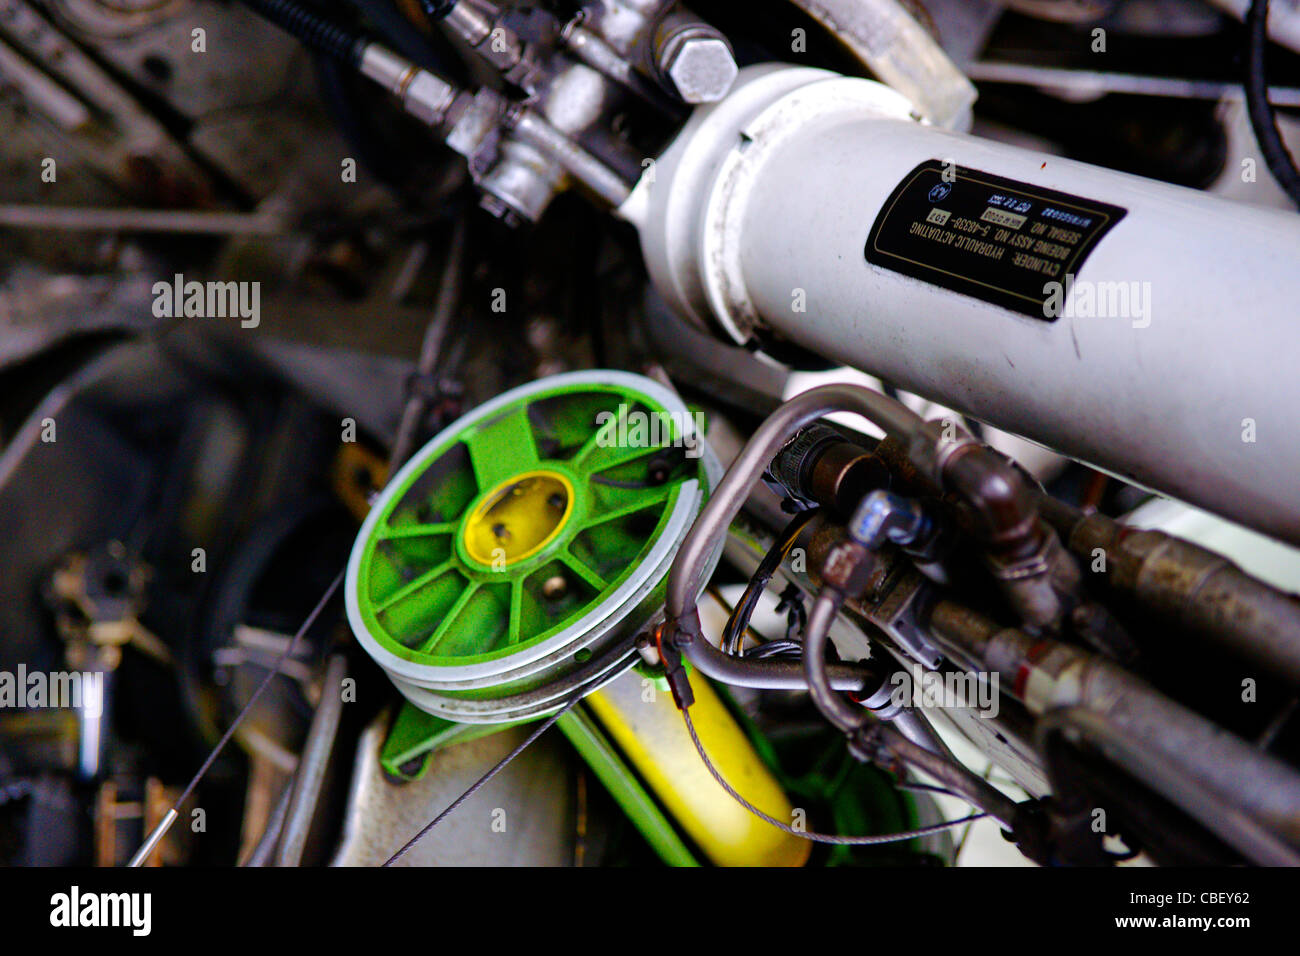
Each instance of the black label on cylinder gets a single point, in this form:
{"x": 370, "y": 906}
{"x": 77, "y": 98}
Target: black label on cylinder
{"x": 999, "y": 240}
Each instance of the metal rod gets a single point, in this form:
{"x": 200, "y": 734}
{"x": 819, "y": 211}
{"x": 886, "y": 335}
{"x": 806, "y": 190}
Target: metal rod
{"x": 444, "y": 309}
{"x": 989, "y": 71}
{"x": 952, "y": 775}
{"x": 91, "y": 219}
{"x": 152, "y": 840}
{"x": 577, "y": 162}
{"x": 1049, "y": 675}
{"x": 310, "y": 774}
{"x": 1131, "y": 751}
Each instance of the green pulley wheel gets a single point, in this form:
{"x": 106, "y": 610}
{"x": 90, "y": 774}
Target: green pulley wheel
{"x": 504, "y": 567}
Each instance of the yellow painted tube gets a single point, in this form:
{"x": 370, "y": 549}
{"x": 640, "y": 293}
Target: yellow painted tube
{"x": 643, "y": 721}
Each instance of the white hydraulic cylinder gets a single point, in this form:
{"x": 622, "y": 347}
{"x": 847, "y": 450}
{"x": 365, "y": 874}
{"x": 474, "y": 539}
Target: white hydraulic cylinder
{"x": 1149, "y": 330}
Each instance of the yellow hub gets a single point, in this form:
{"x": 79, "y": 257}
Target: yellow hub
{"x": 519, "y": 518}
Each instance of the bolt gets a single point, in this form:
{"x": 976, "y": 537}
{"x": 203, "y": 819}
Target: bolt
{"x": 848, "y": 568}
{"x": 698, "y": 64}
{"x": 554, "y": 588}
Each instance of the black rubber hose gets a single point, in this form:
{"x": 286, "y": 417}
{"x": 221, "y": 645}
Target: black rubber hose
{"x": 401, "y": 34}
{"x": 366, "y": 137}
{"x": 437, "y": 9}
{"x": 1262, "y": 118}
{"x": 733, "y": 635}
{"x": 312, "y": 29}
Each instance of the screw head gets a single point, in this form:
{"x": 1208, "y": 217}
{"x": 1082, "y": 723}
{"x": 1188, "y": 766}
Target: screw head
{"x": 701, "y": 69}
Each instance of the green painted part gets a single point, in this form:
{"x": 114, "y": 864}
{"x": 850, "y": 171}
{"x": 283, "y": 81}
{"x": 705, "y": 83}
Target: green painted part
{"x": 623, "y": 786}
{"x": 425, "y": 599}
{"x": 415, "y": 736}
{"x": 860, "y": 798}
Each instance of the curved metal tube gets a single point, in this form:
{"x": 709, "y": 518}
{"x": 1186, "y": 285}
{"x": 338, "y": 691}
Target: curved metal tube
{"x": 685, "y": 578}
{"x": 951, "y": 775}
{"x": 815, "y": 636}
{"x": 684, "y": 585}
{"x": 823, "y": 690}
{"x": 917, "y": 729}
{"x": 768, "y": 674}
{"x": 728, "y": 498}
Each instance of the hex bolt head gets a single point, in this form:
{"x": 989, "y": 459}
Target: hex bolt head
{"x": 699, "y": 66}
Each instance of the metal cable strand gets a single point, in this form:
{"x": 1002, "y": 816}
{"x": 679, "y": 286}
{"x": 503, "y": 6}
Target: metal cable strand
{"x": 272, "y": 673}
{"x": 812, "y": 835}
{"x": 478, "y": 784}
{"x": 929, "y": 788}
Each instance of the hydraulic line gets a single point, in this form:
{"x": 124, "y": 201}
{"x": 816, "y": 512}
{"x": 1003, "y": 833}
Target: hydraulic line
{"x": 877, "y": 742}
{"x": 424, "y": 95}
{"x": 312, "y": 29}
{"x": 816, "y": 637}
{"x": 733, "y": 635}
{"x": 1134, "y": 754}
{"x": 952, "y": 776}
{"x": 693, "y": 558}
{"x": 430, "y": 98}
{"x": 400, "y": 32}
{"x": 685, "y": 578}
{"x": 849, "y": 719}
{"x": 1047, "y": 675}
{"x": 1200, "y": 590}
{"x": 1263, "y": 120}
